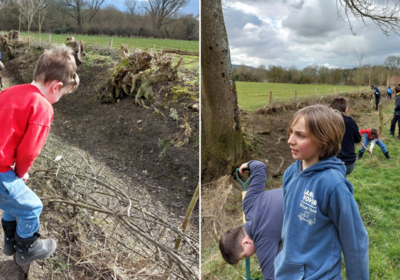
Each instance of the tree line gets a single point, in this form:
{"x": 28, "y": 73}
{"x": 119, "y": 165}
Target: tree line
{"x": 151, "y": 18}
{"x": 360, "y": 75}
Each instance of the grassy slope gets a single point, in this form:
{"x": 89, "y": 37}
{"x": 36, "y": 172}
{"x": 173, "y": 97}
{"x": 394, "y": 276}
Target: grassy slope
{"x": 142, "y": 43}
{"x": 377, "y": 192}
{"x": 253, "y": 95}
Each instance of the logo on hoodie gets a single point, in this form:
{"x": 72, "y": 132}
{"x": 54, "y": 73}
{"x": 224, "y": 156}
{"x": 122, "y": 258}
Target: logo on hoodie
{"x": 309, "y": 204}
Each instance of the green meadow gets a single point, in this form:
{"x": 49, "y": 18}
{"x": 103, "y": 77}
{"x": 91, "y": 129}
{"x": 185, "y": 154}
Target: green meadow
{"x": 377, "y": 192}
{"x": 253, "y": 95}
{"x": 103, "y": 41}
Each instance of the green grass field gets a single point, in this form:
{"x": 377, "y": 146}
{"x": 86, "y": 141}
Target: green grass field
{"x": 142, "y": 43}
{"x": 377, "y": 192}
{"x": 252, "y": 95}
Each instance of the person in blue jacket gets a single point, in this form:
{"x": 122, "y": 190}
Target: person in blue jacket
{"x": 389, "y": 93}
{"x": 321, "y": 219}
{"x": 377, "y": 95}
{"x": 261, "y": 234}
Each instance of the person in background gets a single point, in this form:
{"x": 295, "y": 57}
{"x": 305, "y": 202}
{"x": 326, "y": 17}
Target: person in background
{"x": 351, "y": 136}
{"x": 389, "y": 93}
{"x": 396, "y": 114}
{"x": 372, "y": 135}
{"x": 377, "y": 95}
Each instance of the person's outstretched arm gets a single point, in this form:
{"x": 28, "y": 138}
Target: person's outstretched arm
{"x": 257, "y": 184}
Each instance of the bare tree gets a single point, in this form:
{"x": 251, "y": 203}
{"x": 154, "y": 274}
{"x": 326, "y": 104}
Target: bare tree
{"x": 385, "y": 14}
{"x": 43, "y": 7}
{"x": 76, "y": 10}
{"x": 94, "y": 7}
{"x": 163, "y": 11}
{"x": 28, "y": 10}
{"x": 391, "y": 62}
{"x": 131, "y": 6}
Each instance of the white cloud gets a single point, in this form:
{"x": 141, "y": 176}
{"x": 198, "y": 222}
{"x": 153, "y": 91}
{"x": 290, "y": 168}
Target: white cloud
{"x": 300, "y": 33}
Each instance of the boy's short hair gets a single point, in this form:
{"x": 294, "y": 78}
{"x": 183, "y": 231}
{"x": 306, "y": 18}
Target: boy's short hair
{"x": 374, "y": 133}
{"x": 339, "y": 104}
{"x": 324, "y": 127}
{"x": 230, "y": 244}
{"x": 56, "y": 64}
{"x": 397, "y": 89}
{"x": 372, "y": 86}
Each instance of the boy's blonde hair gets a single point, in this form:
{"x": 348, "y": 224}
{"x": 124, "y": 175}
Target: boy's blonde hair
{"x": 324, "y": 127}
{"x": 56, "y": 64}
{"x": 230, "y": 244}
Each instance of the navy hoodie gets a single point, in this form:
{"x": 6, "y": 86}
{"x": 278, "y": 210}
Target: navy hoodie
{"x": 321, "y": 219}
{"x": 264, "y": 217}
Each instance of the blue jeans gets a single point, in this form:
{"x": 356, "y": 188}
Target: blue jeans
{"x": 20, "y": 203}
{"x": 379, "y": 143}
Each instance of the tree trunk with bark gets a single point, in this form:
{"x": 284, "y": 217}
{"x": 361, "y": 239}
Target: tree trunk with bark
{"x": 222, "y": 141}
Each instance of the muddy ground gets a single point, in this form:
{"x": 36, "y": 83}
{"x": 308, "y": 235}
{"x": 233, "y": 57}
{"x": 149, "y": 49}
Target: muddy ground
{"x": 133, "y": 142}
{"x": 128, "y": 138}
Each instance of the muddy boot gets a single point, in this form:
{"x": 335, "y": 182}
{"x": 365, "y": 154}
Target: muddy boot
{"x": 387, "y": 156}
{"x": 360, "y": 155}
{"x": 33, "y": 248}
{"x": 9, "y": 237}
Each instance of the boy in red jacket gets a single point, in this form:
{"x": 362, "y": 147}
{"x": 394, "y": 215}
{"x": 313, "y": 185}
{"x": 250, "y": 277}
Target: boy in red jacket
{"x": 25, "y": 116}
{"x": 372, "y": 135}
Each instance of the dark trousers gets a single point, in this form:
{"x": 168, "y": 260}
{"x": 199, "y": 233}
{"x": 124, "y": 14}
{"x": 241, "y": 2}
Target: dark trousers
{"x": 396, "y": 119}
{"x": 377, "y": 102}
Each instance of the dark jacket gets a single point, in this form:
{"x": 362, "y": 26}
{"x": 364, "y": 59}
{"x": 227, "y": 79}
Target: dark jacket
{"x": 351, "y": 136}
{"x": 397, "y": 108}
{"x": 264, "y": 218}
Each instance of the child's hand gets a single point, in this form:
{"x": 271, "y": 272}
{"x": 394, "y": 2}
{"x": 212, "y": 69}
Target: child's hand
{"x": 244, "y": 166}
{"x": 25, "y": 177}
{"x": 370, "y": 152}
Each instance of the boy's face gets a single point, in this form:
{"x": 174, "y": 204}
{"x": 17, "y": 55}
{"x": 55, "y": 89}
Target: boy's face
{"x": 302, "y": 146}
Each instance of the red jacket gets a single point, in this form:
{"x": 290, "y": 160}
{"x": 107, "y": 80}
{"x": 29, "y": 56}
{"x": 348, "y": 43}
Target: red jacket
{"x": 368, "y": 131}
{"x": 25, "y": 118}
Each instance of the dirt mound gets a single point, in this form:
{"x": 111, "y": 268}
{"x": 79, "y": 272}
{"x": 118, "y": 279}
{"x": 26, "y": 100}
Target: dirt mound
{"x": 156, "y": 147}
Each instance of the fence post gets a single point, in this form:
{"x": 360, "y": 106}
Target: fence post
{"x": 110, "y": 45}
{"x": 335, "y": 90}
{"x": 380, "y": 118}
{"x": 49, "y": 39}
{"x": 295, "y": 95}
{"x": 329, "y": 91}
{"x": 315, "y": 90}
{"x": 270, "y": 96}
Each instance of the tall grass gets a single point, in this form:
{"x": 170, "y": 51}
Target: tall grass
{"x": 253, "y": 95}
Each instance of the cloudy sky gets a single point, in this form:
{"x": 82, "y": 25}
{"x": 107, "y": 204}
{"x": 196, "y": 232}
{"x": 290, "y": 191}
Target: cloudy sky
{"x": 301, "y": 33}
{"x": 191, "y": 8}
